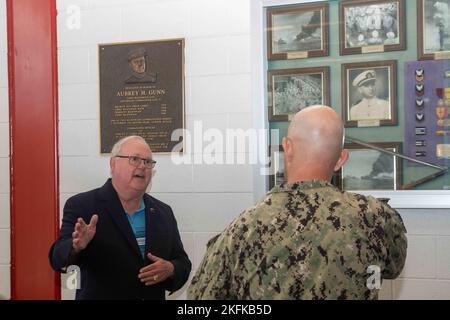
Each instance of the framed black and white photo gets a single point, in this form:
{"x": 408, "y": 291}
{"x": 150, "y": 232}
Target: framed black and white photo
{"x": 299, "y": 31}
{"x": 433, "y": 28}
{"x": 369, "y": 94}
{"x": 291, "y": 90}
{"x": 368, "y": 169}
{"x": 277, "y": 163}
{"x": 367, "y": 26}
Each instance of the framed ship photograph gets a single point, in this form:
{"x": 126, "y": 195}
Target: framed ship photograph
{"x": 367, "y": 26}
{"x": 369, "y": 96}
{"x": 433, "y": 29}
{"x": 297, "y": 32}
{"x": 368, "y": 169}
{"x": 291, "y": 90}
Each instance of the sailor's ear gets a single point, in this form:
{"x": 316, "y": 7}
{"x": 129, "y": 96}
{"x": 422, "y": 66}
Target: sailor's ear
{"x": 342, "y": 159}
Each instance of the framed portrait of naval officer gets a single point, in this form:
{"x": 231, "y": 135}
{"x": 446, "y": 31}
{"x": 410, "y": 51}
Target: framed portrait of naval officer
{"x": 369, "y": 94}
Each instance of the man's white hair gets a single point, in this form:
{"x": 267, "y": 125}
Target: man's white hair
{"x": 117, "y": 148}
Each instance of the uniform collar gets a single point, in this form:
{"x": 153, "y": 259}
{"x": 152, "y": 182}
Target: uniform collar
{"x": 301, "y": 185}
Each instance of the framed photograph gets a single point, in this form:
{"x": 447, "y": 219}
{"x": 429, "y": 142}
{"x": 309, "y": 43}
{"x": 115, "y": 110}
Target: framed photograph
{"x": 368, "y": 169}
{"x": 369, "y": 94}
{"x": 277, "y": 163}
{"x": 433, "y": 28}
{"x": 367, "y": 26}
{"x": 297, "y": 32}
{"x": 291, "y": 90}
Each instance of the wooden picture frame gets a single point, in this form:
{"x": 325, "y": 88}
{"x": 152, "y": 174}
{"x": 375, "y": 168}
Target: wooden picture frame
{"x": 296, "y": 32}
{"x": 290, "y": 90}
{"x": 368, "y": 169}
{"x": 368, "y": 26}
{"x": 433, "y": 21}
{"x": 277, "y": 161}
{"x": 369, "y": 93}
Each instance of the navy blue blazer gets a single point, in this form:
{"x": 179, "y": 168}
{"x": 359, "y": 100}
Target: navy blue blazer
{"x": 111, "y": 262}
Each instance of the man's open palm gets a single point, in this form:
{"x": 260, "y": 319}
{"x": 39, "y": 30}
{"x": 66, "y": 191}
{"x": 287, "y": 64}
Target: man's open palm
{"x": 83, "y": 233}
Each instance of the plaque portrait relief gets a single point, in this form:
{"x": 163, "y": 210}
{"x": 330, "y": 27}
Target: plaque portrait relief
{"x": 142, "y": 93}
{"x": 137, "y": 59}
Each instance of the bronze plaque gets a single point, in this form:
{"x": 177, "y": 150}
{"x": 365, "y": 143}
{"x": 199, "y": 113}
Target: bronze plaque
{"x": 142, "y": 92}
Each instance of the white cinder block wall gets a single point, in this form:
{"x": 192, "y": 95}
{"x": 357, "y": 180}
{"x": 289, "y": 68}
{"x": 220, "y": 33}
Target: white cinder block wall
{"x": 5, "y": 256}
{"x": 427, "y": 270}
{"x": 217, "y": 67}
{"x": 218, "y": 87}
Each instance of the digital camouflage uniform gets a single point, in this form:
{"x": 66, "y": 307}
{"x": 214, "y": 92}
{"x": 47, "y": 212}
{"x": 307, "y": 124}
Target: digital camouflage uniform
{"x": 305, "y": 240}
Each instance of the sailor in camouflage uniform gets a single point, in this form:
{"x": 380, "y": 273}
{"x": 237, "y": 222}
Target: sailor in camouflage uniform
{"x": 306, "y": 239}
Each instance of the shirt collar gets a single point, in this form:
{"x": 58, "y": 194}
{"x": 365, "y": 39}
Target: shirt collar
{"x": 140, "y": 210}
{"x": 301, "y": 185}
{"x": 141, "y": 207}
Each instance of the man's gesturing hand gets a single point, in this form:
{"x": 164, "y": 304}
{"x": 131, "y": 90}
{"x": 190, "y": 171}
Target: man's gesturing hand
{"x": 83, "y": 233}
{"x": 156, "y": 272}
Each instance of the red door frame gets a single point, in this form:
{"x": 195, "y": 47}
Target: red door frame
{"x": 33, "y": 107}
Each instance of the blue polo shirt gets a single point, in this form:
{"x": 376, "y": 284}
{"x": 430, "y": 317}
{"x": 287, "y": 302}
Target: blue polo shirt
{"x": 137, "y": 222}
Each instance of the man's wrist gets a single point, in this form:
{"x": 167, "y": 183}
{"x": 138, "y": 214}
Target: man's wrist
{"x": 172, "y": 273}
{"x": 75, "y": 251}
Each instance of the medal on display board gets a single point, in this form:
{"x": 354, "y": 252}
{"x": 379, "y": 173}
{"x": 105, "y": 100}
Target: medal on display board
{"x": 442, "y": 112}
{"x": 420, "y": 117}
{"x": 447, "y": 93}
{"x": 442, "y": 132}
{"x": 420, "y": 90}
{"x": 421, "y": 143}
{"x": 420, "y": 103}
{"x": 421, "y": 154}
{"x": 421, "y": 131}
{"x": 443, "y": 123}
{"x": 420, "y": 73}
{"x": 443, "y": 151}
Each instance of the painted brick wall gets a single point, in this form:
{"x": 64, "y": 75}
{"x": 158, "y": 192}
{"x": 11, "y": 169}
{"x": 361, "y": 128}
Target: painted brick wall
{"x": 218, "y": 88}
{"x": 205, "y": 198}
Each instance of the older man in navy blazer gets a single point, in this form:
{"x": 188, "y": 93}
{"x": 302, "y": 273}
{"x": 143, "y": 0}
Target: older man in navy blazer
{"x": 125, "y": 242}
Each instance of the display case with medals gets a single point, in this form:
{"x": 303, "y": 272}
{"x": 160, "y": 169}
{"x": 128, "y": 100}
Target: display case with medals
{"x": 384, "y": 96}
{"x": 427, "y": 110}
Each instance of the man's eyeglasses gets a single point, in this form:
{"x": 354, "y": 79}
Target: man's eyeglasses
{"x": 135, "y": 161}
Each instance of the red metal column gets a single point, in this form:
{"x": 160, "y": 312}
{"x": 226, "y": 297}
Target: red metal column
{"x": 32, "y": 61}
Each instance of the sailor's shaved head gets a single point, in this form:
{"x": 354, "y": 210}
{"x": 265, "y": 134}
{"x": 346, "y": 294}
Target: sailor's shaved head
{"x": 314, "y": 142}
